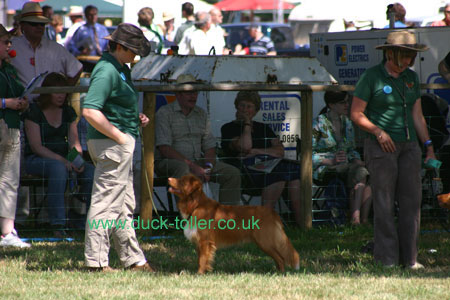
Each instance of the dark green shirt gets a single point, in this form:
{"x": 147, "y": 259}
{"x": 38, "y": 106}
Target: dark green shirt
{"x": 385, "y": 103}
{"x": 10, "y": 87}
{"x": 112, "y": 92}
{"x": 54, "y": 139}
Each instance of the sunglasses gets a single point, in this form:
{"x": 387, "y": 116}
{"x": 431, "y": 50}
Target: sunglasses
{"x": 33, "y": 24}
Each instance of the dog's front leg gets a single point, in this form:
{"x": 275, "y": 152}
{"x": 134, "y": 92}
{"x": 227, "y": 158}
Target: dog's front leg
{"x": 205, "y": 251}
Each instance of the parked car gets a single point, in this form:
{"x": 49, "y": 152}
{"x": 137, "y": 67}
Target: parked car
{"x": 280, "y": 34}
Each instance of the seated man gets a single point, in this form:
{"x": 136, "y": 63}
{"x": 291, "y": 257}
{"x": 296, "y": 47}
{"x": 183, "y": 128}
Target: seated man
{"x": 184, "y": 144}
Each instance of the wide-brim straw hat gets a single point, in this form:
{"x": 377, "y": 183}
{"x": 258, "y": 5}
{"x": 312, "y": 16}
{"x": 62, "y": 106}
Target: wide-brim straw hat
{"x": 32, "y": 12}
{"x": 3, "y": 31}
{"x": 75, "y": 10}
{"x": 166, "y": 16}
{"x": 131, "y": 37}
{"x": 186, "y": 78}
{"x": 402, "y": 39}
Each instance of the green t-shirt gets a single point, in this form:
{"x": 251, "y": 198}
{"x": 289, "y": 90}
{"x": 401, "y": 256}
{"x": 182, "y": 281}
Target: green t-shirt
{"x": 385, "y": 103}
{"x": 112, "y": 92}
{"x": 54, "y": 139}
{"x": 10, "y": 87}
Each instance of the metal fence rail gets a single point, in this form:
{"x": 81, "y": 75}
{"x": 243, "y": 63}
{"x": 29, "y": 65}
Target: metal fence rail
{"x": 306, "y": 92}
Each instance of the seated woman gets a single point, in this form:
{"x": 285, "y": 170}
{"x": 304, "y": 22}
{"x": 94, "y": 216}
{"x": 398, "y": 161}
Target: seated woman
{"x": 51, "y": 132}
{"x": 243, "y": 139}
{"x": 334, "y": 152}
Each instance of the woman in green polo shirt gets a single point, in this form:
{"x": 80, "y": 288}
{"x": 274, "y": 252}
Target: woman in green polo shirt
{"x": 111, "y": 109}
{"x": 10, "y": 107}
{"x": 387, "y": 105}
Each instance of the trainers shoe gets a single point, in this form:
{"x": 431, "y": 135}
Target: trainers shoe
{"x": 416, "y": 266}
{"x": 144, "y": 268}
{"x": 13, "y": 240}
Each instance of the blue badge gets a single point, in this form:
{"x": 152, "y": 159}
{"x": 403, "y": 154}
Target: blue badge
{"x": 123, "y": 76}
{"x": 387, "y": 89}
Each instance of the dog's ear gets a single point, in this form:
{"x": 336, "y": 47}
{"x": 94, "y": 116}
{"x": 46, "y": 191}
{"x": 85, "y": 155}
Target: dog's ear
{"x": 192, "y": 187}
{"x": 191, "y": 184}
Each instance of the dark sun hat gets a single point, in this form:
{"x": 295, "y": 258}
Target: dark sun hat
{"x": 3, "y": 31}
{"x": 402, "y": 39}
{"x": 131, "y": 37}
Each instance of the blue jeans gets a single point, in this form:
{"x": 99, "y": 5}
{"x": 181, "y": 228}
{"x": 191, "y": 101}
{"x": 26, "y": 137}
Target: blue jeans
{"x": 57, "y": 174}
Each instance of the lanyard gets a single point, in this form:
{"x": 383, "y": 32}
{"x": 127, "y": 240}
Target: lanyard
{"x": 405, "y": 116}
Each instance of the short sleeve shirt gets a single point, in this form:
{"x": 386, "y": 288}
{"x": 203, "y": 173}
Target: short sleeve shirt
{"x": 55, "y": 139}
{"x": 111, "y": 91}
{"x": 48, "y": 56}
{"x": 382, "y": 93}
{"x": 10, "y": 87}
{"x": 189, "y": 135}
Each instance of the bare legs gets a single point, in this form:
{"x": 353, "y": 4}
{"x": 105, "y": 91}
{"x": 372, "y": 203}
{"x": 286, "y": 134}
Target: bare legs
{"x": 360, "y": 201}
{"x": 6, "y": 226}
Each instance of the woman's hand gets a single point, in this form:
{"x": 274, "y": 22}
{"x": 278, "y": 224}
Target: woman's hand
{"x": 430, "y": 154}
{"x": 123, "y": 138}
{"x": 68, "y": 164}
{"x": 385, "y": 141}
{"x": 16, "y": 103}
{"x": 144, "y": 119}
{"x": 241, "y": 116}
{"x": 340, "y": 157}
{"x": 78, "y": 170}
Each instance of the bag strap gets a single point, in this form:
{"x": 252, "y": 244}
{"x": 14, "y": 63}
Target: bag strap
{"x": 405, "y": 116}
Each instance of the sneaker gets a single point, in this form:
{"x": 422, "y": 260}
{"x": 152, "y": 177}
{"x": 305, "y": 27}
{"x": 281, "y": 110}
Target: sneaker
{"x": 416, "y": 266}
{"x": 144, "y": 268}
{"x": 13, "y": 240}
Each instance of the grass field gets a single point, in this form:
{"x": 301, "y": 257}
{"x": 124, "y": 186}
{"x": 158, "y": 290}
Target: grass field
{"x": 332, "y": 267}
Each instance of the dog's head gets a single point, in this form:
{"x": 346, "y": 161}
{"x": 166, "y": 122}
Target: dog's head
{"x": 189, "y": 191}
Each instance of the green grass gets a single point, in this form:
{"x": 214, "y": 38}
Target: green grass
{"x": 332, "y": 267}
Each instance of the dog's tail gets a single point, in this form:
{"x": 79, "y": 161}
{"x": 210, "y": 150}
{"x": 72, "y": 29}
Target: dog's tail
{"x": 285, "y": 249}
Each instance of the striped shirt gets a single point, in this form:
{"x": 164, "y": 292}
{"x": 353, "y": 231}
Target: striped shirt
{"x": 260, "y": 47}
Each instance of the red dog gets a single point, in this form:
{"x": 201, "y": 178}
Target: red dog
{"x": 216, "y": 226}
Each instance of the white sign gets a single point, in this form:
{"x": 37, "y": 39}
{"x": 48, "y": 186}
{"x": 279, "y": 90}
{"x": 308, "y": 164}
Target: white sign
{"x": 282, "y": 113}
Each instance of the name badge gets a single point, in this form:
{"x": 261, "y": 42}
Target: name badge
{"x": 123, "y": 76}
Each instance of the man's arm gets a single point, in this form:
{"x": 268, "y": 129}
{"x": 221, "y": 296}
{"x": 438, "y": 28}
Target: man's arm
{"x": 170, "y": 153}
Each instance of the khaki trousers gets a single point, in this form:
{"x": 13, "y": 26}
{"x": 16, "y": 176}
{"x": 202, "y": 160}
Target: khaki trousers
{"x": 395, "y": 177}
{"x": 227, "y": 176}
{"x": 9, "y": 175}
{"x": 112, "y": 200}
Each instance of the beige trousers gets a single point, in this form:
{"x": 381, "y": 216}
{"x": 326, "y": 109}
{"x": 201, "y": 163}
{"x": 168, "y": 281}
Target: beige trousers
{"x": 112, "y": 201}
{"x": 9, "y": 175}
